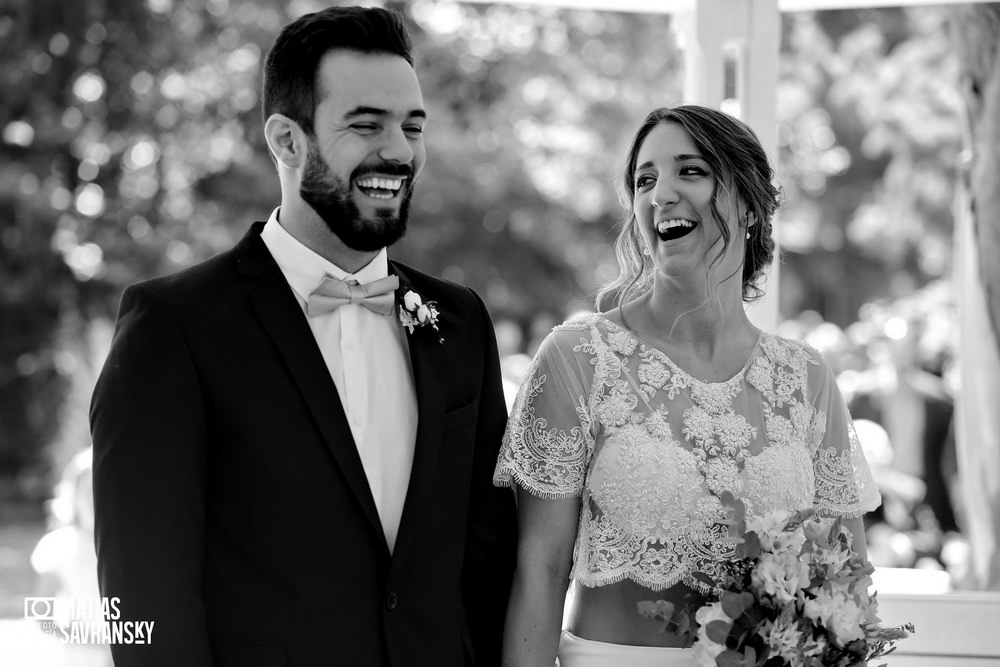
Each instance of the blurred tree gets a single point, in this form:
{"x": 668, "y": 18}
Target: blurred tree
{"x": 131, "y": 147}
{"x": 867, "y": 156}
{"x": 976, "y": 32}
{"x": 102, "y": 139}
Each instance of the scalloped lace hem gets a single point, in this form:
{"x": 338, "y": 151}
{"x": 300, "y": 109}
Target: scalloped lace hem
{"x": 850, "y": 512}
{"x": 657, "y": 585}
{"x": 509, "y": 478}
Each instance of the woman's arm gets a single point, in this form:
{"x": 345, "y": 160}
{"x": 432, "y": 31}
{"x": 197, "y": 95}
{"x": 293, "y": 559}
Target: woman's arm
{"x": 547, "y": 531}
{"x": 860, "y": 542}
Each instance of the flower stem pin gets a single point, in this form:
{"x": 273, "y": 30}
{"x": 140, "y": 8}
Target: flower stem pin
{"x": 415, "y": 313}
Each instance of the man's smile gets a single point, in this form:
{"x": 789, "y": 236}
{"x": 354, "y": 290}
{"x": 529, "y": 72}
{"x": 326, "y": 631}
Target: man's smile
{"x": 380, "y": 187}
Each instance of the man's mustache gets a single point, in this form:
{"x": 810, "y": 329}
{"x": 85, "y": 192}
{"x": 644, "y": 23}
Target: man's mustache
{"x": 383, "y": 169}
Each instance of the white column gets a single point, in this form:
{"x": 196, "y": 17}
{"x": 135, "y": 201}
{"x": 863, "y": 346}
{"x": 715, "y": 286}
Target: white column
{"x": 758, "y": 101}
{"x": 746, "y": 34}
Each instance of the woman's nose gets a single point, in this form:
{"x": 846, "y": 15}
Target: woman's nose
{"x": 664, "y": 194}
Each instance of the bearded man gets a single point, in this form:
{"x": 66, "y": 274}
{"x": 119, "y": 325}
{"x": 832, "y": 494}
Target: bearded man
{"x": 294, "y": 441}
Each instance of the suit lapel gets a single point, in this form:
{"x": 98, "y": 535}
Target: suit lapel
{"x": 282, "y": 317}
{"x": 427, "y": 357}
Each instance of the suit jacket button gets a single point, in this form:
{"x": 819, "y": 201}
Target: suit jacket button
{"x": 391, "y": 600}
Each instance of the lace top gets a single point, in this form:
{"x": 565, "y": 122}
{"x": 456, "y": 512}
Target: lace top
{"x": 606, "y": 417}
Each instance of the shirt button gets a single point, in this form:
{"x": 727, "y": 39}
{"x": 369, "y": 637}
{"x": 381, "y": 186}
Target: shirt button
{"x": 391, "y": 600}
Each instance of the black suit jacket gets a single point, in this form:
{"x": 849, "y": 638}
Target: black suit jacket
{"x": 231, "y": 505}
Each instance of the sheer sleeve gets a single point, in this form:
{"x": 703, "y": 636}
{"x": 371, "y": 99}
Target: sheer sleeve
{"x": 844, "y": 484}
{"x": 549, "y": 437}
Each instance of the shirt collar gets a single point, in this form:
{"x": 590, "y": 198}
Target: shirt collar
{"x": 305, "y": 269}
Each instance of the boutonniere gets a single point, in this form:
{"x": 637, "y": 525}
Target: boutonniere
{"x": 414, "y": 312}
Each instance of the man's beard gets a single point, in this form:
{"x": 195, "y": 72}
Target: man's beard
{"x": 331, "y": 198}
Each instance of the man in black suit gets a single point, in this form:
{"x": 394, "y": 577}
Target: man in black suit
{"x": 294, "y": 441}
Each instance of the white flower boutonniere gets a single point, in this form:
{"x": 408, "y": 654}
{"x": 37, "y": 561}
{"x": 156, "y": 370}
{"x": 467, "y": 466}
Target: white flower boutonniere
{"x": 415, "y": 313}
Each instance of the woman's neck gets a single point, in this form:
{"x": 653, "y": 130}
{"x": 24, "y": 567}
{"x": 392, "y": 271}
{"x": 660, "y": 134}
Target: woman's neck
{"x": 703, "y": 326}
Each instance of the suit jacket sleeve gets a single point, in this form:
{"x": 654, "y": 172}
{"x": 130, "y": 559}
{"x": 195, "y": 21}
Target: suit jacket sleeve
{"x": 149, "y": 431}
{"x": 492, "y": 523}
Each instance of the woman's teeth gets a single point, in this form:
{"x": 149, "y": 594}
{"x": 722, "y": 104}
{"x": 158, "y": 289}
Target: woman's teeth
{"x": 674, "y": 229}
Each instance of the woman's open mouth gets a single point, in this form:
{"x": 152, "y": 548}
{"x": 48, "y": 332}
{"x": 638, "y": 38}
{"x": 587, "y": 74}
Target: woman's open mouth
{"x": 675, "y": 228}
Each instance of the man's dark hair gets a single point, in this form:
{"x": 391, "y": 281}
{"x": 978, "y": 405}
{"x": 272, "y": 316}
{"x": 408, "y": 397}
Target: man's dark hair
{"x": 290, "y": 70}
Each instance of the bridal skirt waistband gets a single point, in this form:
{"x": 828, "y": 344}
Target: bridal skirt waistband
{"x": 578, "y": 652}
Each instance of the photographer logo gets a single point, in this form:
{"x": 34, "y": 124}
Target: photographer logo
{"x": 86, "y": 620}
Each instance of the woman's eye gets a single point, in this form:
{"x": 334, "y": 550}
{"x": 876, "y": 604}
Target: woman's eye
{"x": 644, "y": 181}
{"x": 691, "y": 170}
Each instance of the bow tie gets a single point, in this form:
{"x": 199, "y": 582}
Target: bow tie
{"x": 377, "y": 296}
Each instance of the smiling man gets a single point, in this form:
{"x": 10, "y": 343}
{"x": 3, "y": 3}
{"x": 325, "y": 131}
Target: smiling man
{"x": 294, "y": 441}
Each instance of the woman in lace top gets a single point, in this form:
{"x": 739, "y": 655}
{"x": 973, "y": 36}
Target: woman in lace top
{"x": 631, "y": 423}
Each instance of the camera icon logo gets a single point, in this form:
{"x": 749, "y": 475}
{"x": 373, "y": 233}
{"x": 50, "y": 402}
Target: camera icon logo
{"x": 40, "y": 609}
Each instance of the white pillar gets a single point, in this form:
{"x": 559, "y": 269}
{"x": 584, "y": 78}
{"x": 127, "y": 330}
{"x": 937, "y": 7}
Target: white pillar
{"x": 744, "y": 35}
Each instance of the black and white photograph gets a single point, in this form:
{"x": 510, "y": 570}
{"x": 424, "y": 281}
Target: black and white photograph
{"x": 499, "y": 333}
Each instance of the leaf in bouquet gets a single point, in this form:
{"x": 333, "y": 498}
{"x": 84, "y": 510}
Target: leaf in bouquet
{"x": 734, "y": 604}
{"x": 729, "y": 658}
{"x": 749, "y": 547}
{"x": 683, "y": 622}
{"x": 718, "y": 632}
{"x": 856, "y": 648}
{"x": 705, "y": 579}
{"x": 736, "y": 514}
{"x": 817, "y": 532}
{"x": 755, "y": 615}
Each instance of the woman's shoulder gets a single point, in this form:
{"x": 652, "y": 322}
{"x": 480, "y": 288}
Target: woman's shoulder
{"x": 790, "y": 351}
{"x": 584, "y": 333}
{"x": 579, "y": 322}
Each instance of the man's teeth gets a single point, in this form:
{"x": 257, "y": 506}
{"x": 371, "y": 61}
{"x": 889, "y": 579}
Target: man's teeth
{"x": 663, "y": 225}
{"x": 380, "y": 183}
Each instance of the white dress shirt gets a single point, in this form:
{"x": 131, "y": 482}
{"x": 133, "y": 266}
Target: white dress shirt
{"x": 369, "y": 360}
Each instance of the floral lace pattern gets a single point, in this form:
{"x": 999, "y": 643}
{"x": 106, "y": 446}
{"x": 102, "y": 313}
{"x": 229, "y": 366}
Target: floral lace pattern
{"x": 606, "y": 417}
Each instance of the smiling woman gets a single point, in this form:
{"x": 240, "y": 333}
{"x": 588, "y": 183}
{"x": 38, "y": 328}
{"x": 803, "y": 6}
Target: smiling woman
{"x": 632, "y": 425}
{"x": 720, "y": 163}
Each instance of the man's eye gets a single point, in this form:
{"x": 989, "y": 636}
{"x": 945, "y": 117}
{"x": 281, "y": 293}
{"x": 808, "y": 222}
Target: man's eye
{"x": 365, "y": 128}
{"x": 415, "y": 130}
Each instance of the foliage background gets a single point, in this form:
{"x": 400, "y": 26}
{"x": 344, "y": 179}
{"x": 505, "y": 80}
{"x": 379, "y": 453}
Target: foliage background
{"x": 131, "y": 147}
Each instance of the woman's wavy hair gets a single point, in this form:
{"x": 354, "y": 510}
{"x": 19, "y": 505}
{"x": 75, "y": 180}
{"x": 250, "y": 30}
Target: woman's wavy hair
{"x": 739, "y": 163}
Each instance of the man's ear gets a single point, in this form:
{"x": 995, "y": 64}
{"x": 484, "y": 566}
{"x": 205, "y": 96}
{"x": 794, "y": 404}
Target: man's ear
{"x": 286, "y": 140}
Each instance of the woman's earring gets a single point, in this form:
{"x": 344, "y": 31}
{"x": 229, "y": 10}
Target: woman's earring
{"x": 645, "y": 251}
{"x": 748, "y": 234}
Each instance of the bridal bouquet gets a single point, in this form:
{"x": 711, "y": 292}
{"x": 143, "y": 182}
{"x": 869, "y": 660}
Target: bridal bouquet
{"x": 795, "y": 596}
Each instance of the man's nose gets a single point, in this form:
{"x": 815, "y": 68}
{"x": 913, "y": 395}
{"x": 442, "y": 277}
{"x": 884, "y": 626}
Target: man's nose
{"x": 396, "y": 147}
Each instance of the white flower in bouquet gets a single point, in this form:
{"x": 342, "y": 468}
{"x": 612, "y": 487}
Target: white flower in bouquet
{"x": 782, "y": 575}
{"x": 837, "y": 611}
{"x": 784, "y": 637}
{"x": 830, "y": 561}
{"x": 794, "y": 595}
{"x": 706, "y": 650}
{"x": 770, "y": 530}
